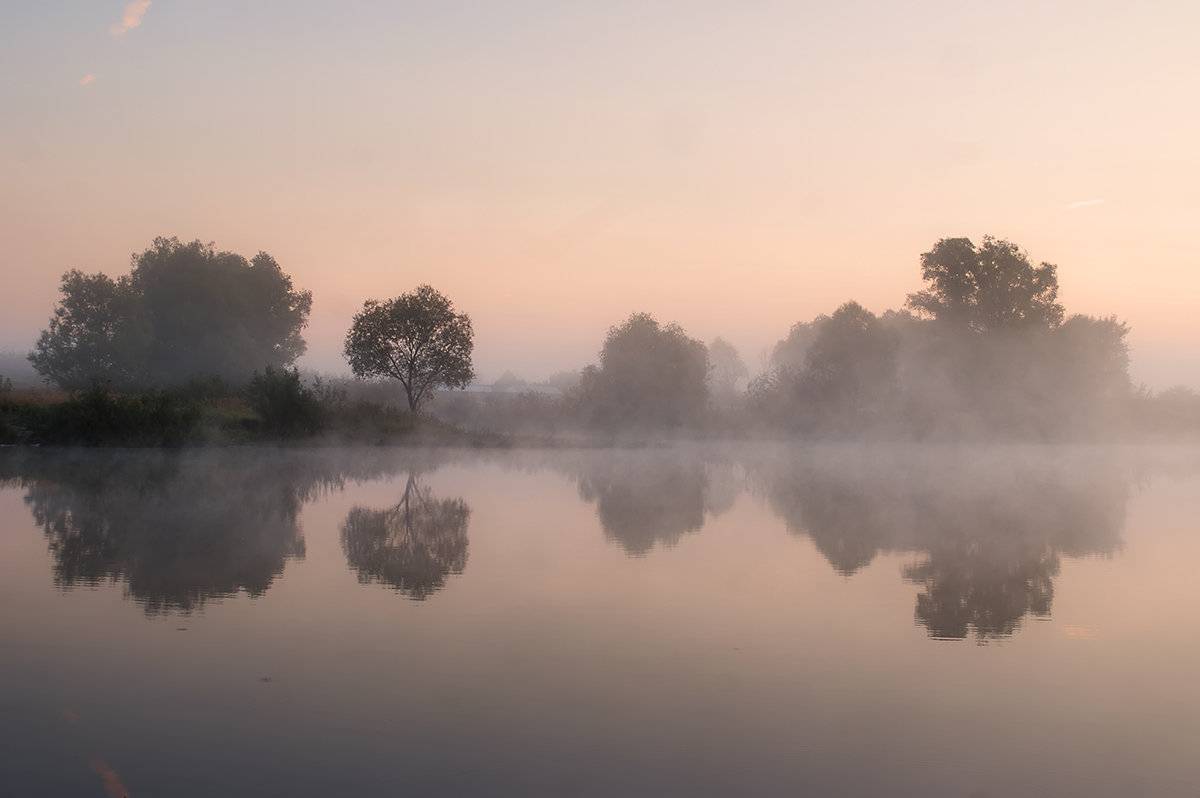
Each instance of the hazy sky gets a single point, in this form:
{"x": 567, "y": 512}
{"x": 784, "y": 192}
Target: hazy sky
{"x": 554, "y": 166}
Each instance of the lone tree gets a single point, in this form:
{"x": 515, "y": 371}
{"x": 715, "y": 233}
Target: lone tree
{"x": 989, "y": 288}
{"x": 183, "y": 311}
{"x": 416, "y": 338}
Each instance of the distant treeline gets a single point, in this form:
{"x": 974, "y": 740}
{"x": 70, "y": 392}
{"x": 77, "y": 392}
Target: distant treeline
{"x": 196, "y": 345}
{"x": 985, "y": 351}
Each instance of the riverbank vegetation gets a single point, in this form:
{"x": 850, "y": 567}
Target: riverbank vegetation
{"x": 198, "y": 347}
{"x": 276, "y": 406}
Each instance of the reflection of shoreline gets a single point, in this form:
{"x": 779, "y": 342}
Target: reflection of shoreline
{"x": 989, "y": 531}
{"x": 180, "y": 528}
{"x": 176, "y": 532}
{"x": 991, "y": 523}
{"x": 411, "y": 547}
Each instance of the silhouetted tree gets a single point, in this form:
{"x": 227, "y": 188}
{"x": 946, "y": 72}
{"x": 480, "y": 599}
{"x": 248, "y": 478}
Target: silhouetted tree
{"x": 850, "y": 368}
{"x": 844, "y": 378}
{"x": 416, "y": 338}
{"x": 1096, "y": 353}
{"x": 215, "y": 313}
{"x": 1086, "y": 370}
{"x": 726, "y": 369}
{"x": 988, "y": 288}
{"x": 790, "y": 353}
{"x": 184, "y": 311}
{"x": 998, "y": 358}
{"x": 648, "y": 374}
{"x": 411, "y": 547}
{"x": 98, "y": 332}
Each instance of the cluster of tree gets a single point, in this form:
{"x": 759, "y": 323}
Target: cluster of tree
{"x": 143, "y": 352}
{"x": 984, "y": 349}
{"x": 183, "y": 311}
{"x": 836, "y": 373}
{"x": 188, "y": 312}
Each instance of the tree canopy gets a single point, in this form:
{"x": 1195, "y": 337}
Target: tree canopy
{"x": 648, "y": 374}
{"x": 789, "y": 354}
{"x": 183, "y": 311}
{"x": 851, "y": 364}
{"x": 98, "y": 331}
{"x": 416, "y": 338}
{"x": 726, "y": 370}
{"x": 988, "y": 288}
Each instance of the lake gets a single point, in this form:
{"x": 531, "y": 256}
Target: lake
{"x": 681, "y": 620}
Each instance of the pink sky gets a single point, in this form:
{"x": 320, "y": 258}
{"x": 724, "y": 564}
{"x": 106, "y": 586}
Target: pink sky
{"x": 555, "y": 167}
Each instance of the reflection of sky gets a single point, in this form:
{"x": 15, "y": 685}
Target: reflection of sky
{"x": 736, "y": 660}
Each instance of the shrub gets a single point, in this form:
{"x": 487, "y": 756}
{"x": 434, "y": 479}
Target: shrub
{"x": 286, "y": 406}
{"x": 99, "y": 417}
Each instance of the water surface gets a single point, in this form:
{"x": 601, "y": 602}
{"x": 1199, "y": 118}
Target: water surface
{"x": 688, "y": 620}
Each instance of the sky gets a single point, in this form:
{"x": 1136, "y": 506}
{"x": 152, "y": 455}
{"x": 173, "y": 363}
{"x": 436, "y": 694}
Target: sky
{"x": 553, "y": 167}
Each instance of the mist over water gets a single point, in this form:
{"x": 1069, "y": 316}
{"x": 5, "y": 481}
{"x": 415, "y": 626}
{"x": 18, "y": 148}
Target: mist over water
{"x": 684, "y": 619}
{"x": 854, "y": 501}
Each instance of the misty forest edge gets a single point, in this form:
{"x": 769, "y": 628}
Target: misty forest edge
{"x": 196, "y": 346}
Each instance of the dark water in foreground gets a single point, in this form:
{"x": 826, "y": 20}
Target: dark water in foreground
{"x": 760, "y": 621}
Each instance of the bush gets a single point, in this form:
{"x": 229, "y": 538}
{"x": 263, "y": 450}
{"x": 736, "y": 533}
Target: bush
{"x": 7, "y": 433}
{"x": 286, "y": 406}
{"x": 99, "y": 417}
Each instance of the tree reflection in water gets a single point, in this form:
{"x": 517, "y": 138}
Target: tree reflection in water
{"x": 411, "y": 547}
{"x": 994, "y": 551}
{"x": 177, "y": 529}
{"x": 991, "y": 531}
{"x": 989, "y": 592}
{"x": 988, "y": 532}
{"x": 849, "y": 519}
{"x": 643, "y": 499}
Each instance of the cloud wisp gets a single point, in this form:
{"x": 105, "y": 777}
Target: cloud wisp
{"x": 132, "y": 17}
{"x": 1082, "y": 204}
{"x": 87, "y": 79}
{"x": 112, "y": 780}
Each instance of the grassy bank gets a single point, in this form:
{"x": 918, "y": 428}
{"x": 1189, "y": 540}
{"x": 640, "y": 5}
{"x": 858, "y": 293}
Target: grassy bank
{"x": 274, "y": 408}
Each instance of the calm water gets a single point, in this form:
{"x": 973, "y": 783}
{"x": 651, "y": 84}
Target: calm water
{"x": 690, "y": 621}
